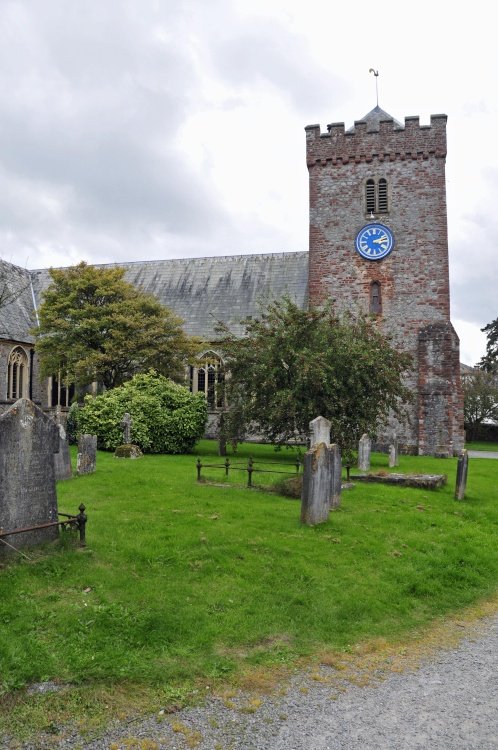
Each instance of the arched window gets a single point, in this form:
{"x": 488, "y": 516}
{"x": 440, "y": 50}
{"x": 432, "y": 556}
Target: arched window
{"x": 376, "y": 196}
{"x": 17, "y": 374}
{"x": 208, "y": 378}
{"x": 375, "y": 298}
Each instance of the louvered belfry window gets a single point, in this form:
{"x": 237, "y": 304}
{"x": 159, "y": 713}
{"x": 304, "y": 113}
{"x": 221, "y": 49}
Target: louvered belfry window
{"x": 376, "y": 196}
{"x": 370, "y": 196}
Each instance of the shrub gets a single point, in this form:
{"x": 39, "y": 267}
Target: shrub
{"x": 167, "y": 418}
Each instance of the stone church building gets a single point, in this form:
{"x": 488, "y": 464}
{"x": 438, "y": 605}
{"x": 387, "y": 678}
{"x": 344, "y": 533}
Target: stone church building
{"x": 378, "y": 244}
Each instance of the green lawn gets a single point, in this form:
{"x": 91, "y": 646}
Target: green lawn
{"x": 481, "y": 446}
{"x": 183, "y": 583}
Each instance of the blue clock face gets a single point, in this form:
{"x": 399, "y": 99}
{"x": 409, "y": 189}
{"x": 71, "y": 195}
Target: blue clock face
{"x": 374, "y": 241}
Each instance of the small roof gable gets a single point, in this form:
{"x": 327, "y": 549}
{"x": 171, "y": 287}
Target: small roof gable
{"x": 373, "y": 118}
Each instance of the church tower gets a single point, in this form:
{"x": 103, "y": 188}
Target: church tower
{"x": 379, "y": 245}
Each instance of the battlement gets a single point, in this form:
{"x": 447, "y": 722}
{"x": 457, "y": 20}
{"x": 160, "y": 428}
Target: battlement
{"x": 383, "y": 140}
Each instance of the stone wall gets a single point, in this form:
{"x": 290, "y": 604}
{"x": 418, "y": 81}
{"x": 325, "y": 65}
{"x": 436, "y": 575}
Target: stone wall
{"x": 414, "y": 277}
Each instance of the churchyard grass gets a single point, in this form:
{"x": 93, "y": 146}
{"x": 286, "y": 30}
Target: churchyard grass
{"x": 481, "y": 445}
{"x": 185, "y": 586}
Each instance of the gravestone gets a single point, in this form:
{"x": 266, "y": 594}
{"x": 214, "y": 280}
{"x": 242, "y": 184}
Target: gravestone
{"x": 62, "y": 459}
{"x": 319, "y": 431}
{"x": 28, "y": 441}
{"x": 126, "y": 423}
{"x": 87, "y": 454}
{"x": 321, "y": 483}
{"x": 393, "y": 453}
{"x": 364, "y": 450}
{"x": 461, "y": 477}
{"x": 335, "y": 495}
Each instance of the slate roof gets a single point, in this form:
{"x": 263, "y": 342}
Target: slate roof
{"x": 373, "y": 118}
{"x": 17, "y": 315}
{"x": 203, "y": 291}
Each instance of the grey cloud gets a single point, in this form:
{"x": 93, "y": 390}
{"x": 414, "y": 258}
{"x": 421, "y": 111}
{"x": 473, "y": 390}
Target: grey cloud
{"x": 267, "y": 51}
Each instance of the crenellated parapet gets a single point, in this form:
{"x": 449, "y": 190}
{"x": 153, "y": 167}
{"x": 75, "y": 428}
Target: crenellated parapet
{"x": 387, "y": 142}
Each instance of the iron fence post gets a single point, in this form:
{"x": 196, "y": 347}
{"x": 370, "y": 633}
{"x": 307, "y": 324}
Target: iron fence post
{"x": 81, "y": 520}
{"x": 249, "y": 471}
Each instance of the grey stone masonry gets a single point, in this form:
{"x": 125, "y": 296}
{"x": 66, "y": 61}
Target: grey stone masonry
{"x": 62, "y": 459}
{"x": 461, "y": 478}
{"x": 318, "y": 479}
{"x": 28, "y": 441}
{"x": 319, "y": 431}
{"x": 126, "y": 425}
{"x": 364, "y": 450}
{"x": 87, "y": 454}
{"x": 393, "y": 452}
{"x": 335, "y": 495}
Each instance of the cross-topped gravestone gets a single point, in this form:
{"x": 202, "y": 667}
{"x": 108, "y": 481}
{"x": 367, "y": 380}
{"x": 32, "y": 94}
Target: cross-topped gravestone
{"x": 28, "y": 441}
{"x": 126, "y": 423}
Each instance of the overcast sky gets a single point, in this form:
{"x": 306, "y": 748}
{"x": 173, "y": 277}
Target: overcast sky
{"x": 145, "y": 129}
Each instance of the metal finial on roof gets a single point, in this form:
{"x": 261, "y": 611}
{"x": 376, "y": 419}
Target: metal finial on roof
{"x": 376, "y": 74}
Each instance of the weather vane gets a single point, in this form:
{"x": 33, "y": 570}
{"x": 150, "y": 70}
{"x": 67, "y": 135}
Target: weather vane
{"x": 376, "y": 74}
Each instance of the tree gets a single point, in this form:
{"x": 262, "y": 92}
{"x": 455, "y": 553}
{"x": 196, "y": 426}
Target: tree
{"x": 480, "y": 393}
{"x": 489, "y": 361}
{"x": 293, "y": 365}
{"x": 94, "y": 326}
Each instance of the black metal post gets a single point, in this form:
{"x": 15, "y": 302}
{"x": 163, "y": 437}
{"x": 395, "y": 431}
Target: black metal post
{"x": 227, "y": 465}
{"x": 249, "y": 472}
{"x": 199, "y": 467}
{"x": 81, "y": 520}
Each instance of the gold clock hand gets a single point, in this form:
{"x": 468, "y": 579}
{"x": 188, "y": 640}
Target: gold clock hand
{"x": 381, "y": 239}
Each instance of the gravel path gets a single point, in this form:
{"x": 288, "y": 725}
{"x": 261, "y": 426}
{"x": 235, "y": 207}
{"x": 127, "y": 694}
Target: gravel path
{"x": 449, "y": 703}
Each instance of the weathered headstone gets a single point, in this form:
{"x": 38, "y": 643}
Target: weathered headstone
{"x": 28, "y": 441}
{"x": 461, "y": 477}
{"x": 319, "y": 431}
{"x": 62, "y": 459}
{"x": 317, "y": 484}
{"x": 126, "y": 423}
{"x": 364, "y": 450}
{"x": 87, "y": 454}
{"x": 335, "y": 495}
{"x": 393, "y": 452}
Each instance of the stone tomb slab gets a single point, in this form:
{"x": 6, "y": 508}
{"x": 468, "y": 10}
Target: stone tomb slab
{"x": 423, "y": 481}
{"x": 28, "y": 441}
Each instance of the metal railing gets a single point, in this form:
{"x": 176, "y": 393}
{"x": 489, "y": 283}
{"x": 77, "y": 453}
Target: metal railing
{"x": 249, "y": 468}
{"x": 77, "y": 522}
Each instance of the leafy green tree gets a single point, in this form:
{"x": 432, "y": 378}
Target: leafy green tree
{"x": 94, "y": 326}
{"x": 167, "y": 418}
{"x": 489, "y": 361}
{"x": 480, "y": 393}
{"x": 293, "y": 365}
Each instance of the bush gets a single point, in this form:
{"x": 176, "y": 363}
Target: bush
{"x": 167, "y": 418}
